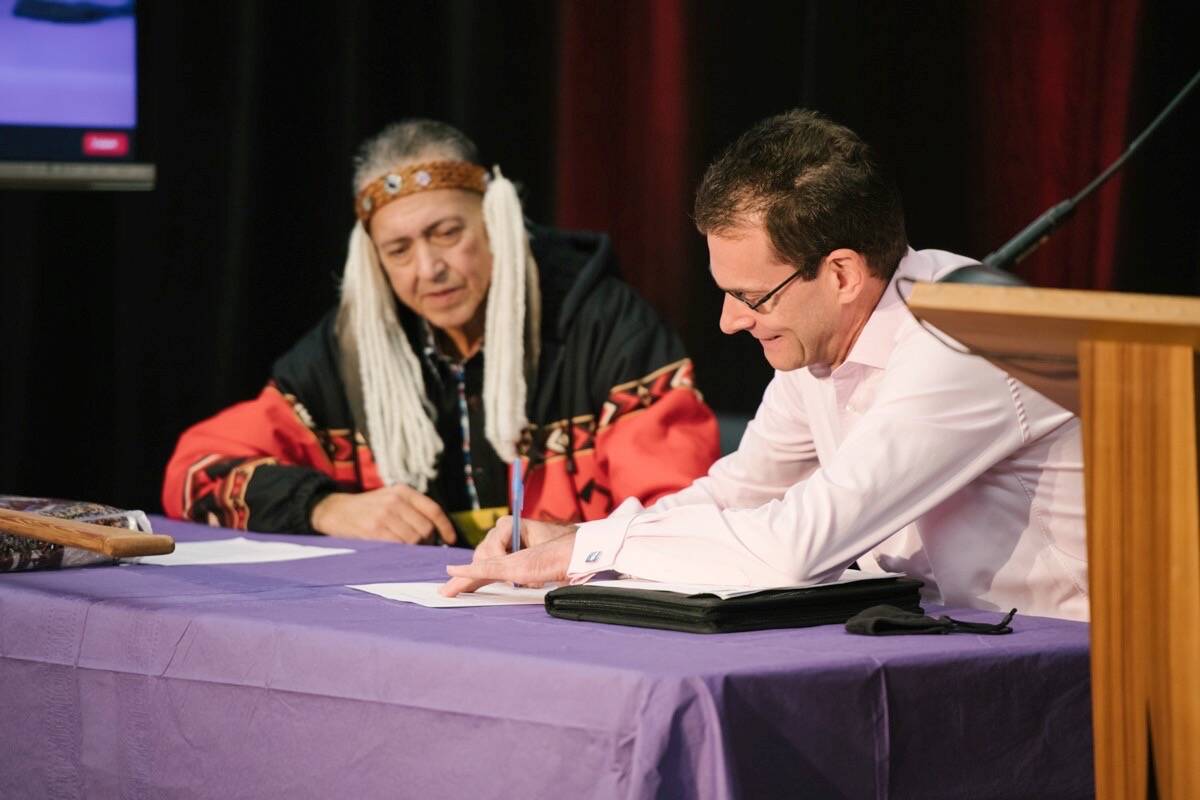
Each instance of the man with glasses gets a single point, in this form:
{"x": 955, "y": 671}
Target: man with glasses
{"x": 874, "y": 443}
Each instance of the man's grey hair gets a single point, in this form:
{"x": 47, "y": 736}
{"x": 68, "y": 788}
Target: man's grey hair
{"x": 407, "y": 141}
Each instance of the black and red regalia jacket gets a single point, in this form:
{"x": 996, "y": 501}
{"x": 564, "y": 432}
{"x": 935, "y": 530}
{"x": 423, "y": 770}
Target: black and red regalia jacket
{"x": 614, "y": 414}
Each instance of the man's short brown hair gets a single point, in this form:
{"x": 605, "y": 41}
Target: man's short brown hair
{"x": 814, "y": 184}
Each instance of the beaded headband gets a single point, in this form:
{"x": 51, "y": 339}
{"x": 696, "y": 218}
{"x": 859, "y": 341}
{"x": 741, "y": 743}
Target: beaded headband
{"x": 412, "y": 178}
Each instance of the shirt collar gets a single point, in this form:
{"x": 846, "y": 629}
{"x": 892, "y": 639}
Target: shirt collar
{"x": 875, "y": 341}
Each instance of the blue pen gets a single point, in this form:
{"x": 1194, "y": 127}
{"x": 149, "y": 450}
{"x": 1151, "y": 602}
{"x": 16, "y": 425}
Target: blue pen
{"x": 518, "y": 499}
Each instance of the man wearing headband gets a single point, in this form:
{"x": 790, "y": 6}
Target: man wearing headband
{"x": 463, "y": 341}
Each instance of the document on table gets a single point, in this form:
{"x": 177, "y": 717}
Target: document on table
{"x": 238, "y": 550}
{"x": 726, "y": 592}
{"x": 426, "y": 594}
{"x": 505, "y": 594}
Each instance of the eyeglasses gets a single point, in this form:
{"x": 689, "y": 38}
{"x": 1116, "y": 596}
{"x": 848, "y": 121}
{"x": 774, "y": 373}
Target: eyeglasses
{"x": 755, "y": 305}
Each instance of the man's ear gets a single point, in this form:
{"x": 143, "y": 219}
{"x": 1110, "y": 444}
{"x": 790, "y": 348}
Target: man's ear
{"x": 851, "y": 271}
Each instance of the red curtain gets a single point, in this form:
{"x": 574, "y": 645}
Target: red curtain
{"x": 1050, "y": 88}
{"x": 621, "y": 141}
{"x": 1053, "y": 91}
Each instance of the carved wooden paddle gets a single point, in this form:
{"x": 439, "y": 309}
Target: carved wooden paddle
{"x": 113, "y": 542}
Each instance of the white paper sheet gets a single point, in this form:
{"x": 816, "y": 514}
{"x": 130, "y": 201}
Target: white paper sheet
{"x": 726, "y": 592}
{"x": 239, "y": 550}
{"x": 426, "y": 594}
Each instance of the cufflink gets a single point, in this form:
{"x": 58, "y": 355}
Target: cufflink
{"x": 592, "y": 557}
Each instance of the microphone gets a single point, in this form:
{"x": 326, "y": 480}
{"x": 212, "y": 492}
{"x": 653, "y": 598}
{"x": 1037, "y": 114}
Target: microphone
{"x": 994, "y": 269}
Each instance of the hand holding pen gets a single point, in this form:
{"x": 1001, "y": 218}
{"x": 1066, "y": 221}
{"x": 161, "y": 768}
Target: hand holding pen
{"x": 499, "y": 556}
{"x": 518, "y": 500}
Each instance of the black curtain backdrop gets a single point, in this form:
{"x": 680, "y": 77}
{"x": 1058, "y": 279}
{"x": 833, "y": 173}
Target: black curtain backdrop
{"x": 126, "y": 317}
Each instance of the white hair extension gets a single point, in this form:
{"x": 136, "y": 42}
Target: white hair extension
{"x": 403, "y": 437}
{"x": 507, "y": 326}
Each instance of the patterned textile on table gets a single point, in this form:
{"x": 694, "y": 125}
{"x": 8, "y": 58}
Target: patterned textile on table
{"x": 20, "y": 553}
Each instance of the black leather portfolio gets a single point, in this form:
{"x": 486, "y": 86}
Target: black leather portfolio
{"x": 708, "y": 613}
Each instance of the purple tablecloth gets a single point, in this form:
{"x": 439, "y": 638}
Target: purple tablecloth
{"x": 273, "y": 680}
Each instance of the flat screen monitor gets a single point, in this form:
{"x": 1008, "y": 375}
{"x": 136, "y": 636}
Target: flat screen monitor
{"x": 69, "y": 95}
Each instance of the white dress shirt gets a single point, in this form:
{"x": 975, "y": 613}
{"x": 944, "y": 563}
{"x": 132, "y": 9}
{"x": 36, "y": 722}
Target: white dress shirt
{"x": 908, "y": 457}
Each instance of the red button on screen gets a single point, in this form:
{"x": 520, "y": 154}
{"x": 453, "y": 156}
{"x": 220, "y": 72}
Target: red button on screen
{"x": 105, "y": 144}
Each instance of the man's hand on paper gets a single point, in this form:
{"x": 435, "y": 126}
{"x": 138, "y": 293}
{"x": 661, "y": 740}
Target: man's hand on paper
{"x": 544, "y": 561}
{"x": 397, "y": 513}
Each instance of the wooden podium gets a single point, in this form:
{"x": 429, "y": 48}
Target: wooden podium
{"x": 1127, "y": 364}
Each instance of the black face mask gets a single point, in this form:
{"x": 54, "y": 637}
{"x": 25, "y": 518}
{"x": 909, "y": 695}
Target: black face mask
{"x": 892, "y": 621}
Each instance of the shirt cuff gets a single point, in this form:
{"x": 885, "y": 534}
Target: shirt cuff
{"x": 597, "y": 543}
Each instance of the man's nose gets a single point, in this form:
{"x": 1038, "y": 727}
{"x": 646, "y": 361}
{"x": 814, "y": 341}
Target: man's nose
{"x": 429, "y": 261}
{"x": 735, "y": 316}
